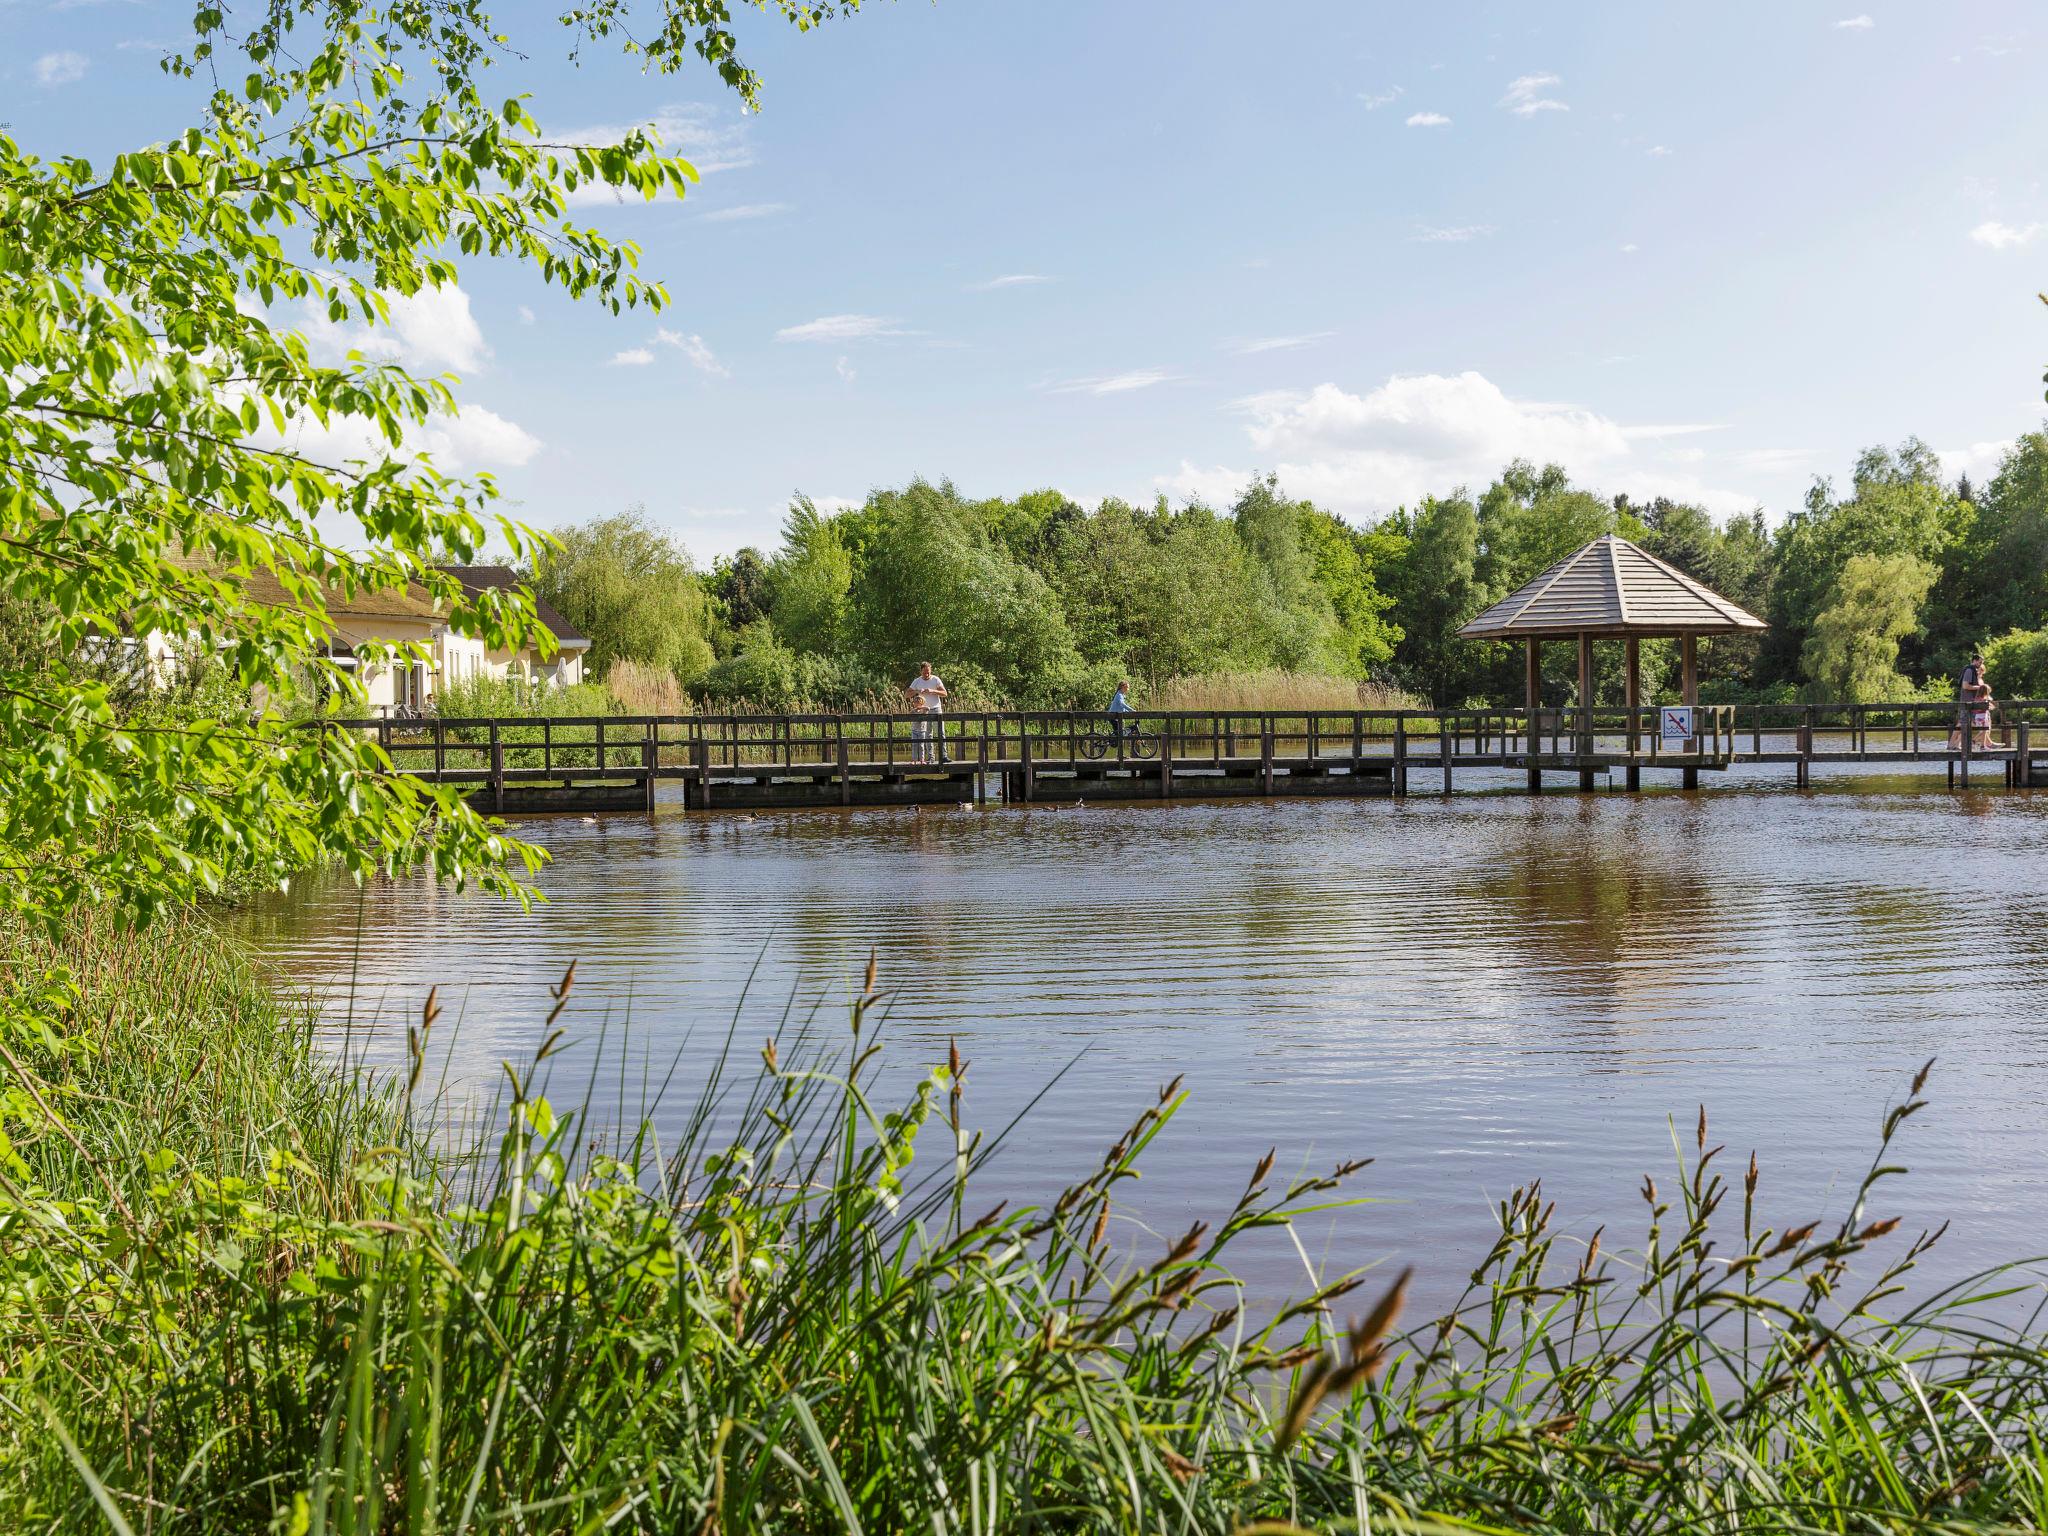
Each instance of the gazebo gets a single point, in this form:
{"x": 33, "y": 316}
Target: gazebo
{"x": 1610, "y": 589}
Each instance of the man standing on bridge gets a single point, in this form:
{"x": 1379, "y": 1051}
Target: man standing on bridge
{"x": 928, "y": 699}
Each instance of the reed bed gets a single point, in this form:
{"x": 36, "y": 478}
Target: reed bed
{"x": 1299, "y": 692}
{"x": 242, "y": 1293}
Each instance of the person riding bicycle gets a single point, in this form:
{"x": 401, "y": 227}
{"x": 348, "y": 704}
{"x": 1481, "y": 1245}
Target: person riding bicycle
{"x": 1121, "y": 705}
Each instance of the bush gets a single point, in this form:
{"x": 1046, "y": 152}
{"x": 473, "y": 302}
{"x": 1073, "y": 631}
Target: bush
{"x": 2016, "y": 664}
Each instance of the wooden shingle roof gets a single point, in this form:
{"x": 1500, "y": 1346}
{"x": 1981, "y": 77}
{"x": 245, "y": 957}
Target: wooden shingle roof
{"x": 1610, "y": 588}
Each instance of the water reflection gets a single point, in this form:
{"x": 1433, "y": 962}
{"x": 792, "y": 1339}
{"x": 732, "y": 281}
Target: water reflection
{"x": 1477, "y": 992}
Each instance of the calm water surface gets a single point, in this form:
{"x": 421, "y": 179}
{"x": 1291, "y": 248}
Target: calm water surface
{"x": 1476, "y": 992}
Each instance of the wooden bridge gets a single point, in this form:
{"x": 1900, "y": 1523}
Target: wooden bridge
{"x": 618, "y": 762}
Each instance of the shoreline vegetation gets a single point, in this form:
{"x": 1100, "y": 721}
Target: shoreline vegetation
{"x": 245, "y": 1289}
{"x": 1878, "y": 591}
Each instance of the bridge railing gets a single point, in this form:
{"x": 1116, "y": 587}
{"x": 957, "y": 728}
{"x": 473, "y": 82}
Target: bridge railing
{"x": 539, "y": 747}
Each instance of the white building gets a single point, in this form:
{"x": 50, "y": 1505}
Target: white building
{"x": 410, "y": 685}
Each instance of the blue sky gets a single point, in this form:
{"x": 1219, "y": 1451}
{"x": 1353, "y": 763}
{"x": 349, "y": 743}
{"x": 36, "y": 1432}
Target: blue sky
{"x": 1158, "y": 245}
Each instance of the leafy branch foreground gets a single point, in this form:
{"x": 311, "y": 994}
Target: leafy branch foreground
{"x": 241, "y": 1292}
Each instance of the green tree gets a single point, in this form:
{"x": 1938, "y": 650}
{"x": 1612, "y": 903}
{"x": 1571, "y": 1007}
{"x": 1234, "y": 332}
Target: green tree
{"x": 2016, "y": 664}
{"x": 156, "y": 405}
{"x": 1852, "y": 647}
{"x": 1343, "y": 562}
{"x": 812, "y": 581}
{"x": 1994, "y": 575}
{"x": 1293, "y": 620}
{"x": 1437, "y": 589}
{"x": 632, "y": 591}
{"x": 1900, "y": 507}
{"x": 934, "y": 586}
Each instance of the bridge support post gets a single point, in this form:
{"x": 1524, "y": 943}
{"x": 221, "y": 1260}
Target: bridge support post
{"x": 703, "y": 772}
{"x": 1632, "y": 685}
{"x": 1803, "y": 773}
{"x": 1266, "y": 754}
{"x": 1400, "y": 757}
{"x": 1030, "y": 785}
{"x": 497, "y": 770}
{"x": 650, "y": 754}
{"x": 1446, "y": 740}
{"x": 1583, "y": 744}
{"x": 2023, "y": 764}
{"x": 1689, "y": 676}
{"x": 1532, "y": 679}
{"x": 845, "y": 775}
{"x": 1166, "y": 759}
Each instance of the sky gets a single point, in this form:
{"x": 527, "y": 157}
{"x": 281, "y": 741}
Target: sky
{"x": 1160, "y": 246}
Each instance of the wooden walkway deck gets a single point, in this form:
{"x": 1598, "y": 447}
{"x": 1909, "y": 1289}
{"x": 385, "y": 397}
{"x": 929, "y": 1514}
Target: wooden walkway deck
{"x": 734, "y": 762}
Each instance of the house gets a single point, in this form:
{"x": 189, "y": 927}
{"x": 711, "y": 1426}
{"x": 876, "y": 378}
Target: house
{"x": 564, "y": 668}
{"x": 410, "y": 615}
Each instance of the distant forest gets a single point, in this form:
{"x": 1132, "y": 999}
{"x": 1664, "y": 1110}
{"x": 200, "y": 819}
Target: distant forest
{"x": 1877, "y": 590}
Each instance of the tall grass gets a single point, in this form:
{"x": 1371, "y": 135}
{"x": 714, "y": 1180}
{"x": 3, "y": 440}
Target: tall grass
{"x": 240, "y": 1295}
{"x": 1258, "y": 691}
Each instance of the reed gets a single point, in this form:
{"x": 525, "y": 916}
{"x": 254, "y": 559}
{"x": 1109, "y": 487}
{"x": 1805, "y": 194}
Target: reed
{"x": 241, "y": 1294}
{"x": 1257, "y": 691}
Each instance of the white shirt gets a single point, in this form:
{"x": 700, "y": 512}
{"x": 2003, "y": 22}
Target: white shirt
{"x": 931, "y": 693}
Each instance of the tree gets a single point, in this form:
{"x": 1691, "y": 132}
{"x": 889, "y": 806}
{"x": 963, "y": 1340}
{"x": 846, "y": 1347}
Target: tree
{"x": 1900, "y": 507}
{"x": 1994, "y": 575}
{"x": 174, "y": 459}
{"x": 1852, "y": 649}
{"x": 631, "y": 590}
{"x": 934, "y": 586}
{"x": 1437, "y": 590}
{"x": 812, "y": 578}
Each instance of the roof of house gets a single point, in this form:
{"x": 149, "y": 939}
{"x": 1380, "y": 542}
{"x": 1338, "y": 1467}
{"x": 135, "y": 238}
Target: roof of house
{"x": 412, "y": 601}
{"x": 1611, "y": 587}
{"x": 504, "y": 578}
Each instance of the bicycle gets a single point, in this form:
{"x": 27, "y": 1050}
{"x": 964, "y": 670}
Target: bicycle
{"x": 1134, "y": 743}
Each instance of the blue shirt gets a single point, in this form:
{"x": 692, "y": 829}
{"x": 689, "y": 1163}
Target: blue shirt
{"x": 1120, "y": 705}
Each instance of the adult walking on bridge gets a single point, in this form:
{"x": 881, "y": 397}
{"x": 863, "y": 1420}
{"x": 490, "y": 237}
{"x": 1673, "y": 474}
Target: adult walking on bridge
{"x": 928, "y": 701}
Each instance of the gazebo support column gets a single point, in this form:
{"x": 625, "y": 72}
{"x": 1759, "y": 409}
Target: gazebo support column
{"x": 1689, "y": 683}
{"x": 1533, "y": 680}
{"x": 1632, "y": 695}
{"x": 1584, "y": 736}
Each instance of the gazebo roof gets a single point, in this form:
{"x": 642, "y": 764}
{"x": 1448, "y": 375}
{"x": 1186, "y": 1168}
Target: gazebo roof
{"x": 1610, "y": 588}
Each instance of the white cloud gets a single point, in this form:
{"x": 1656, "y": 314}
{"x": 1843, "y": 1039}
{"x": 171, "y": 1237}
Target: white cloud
{"x": 61, "y": 68}
{"x": 1113, "y": 383}
{"x": 1980, "y": 461}
{"x": 1455, "y": 235}
{"x": 1279, "y": 343}
{"x": 1656, "y": 151}
{"x": 1776, "y": 460}
{"x": 2000, "y": 237}
{"x": 1414, "y": 435}
{"x": 1854, "y": 24}
{"x": 1525, "y": 96}
{"x": 1375, "y": 100}
{"x": 632, "y": 357}
{"x": 1428, "y": 120}
{"x": 745, "y": 211}
{"x": 1008, "y": 280}
{"x": 693, "y": 347}
{"x": 695, "y": 130}
{"x": 431, "y": 331}
{"x": 845, "y": 370}
{"x": 843, "y": 328}
{"x": 473, "y": 438}
{"x": 1630, "y": 249}
{"x": 526, "y": 315}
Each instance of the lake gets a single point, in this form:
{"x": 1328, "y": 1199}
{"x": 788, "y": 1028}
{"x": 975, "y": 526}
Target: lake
{"x": 1475, "y": 992}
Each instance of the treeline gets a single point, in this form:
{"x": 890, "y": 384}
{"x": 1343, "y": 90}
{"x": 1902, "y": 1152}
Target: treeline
{"x": 1879, "y": 591}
